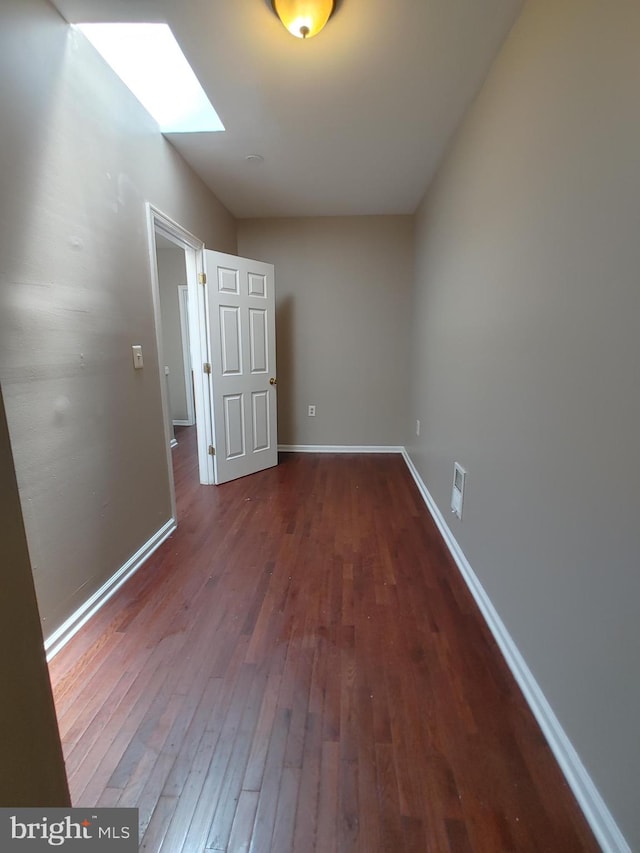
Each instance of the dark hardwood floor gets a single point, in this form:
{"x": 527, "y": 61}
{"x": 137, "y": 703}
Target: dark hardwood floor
{"x": 301, "y": 668}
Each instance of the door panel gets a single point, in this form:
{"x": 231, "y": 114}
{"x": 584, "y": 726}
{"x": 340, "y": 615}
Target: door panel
{"x": 258, "y": 340}
{"x": 243, "y": 352}
{"x": 234, "y": 426}
{"x": 260, "y": 413}
{"x": 230, "y": 342}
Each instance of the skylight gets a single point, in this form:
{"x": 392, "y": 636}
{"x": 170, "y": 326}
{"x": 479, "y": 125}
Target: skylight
{"x": 148, "y": 59}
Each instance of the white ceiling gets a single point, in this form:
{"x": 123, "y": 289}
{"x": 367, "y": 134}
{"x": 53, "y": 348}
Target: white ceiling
{"x": 353, "y": 121}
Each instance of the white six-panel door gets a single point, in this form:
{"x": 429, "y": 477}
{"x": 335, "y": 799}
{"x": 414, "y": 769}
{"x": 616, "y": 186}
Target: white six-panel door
{"x": 241, "y": 305}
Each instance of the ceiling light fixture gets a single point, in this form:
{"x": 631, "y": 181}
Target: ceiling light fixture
{"x": 304, "y": 18}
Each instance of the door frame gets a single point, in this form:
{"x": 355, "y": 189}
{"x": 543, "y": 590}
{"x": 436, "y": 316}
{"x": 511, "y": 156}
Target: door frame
{"x": 158, "y": 222}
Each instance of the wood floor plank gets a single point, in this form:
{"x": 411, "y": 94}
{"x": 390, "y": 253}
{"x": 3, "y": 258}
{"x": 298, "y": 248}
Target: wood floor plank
{"x": 258, "y": 756}
{"x": 327, "y": 835}
{"x": 199, "y": 772}
{"x": 191, "y": 744}
{"x": 213, "y": 788}
{"x": 231, "y": 788}
{"x": 152, "y": 837}
{"x": 306, "y": 820}
{"x": 270, "y": 788}
{"x": 284, "y": 823}
{"x": 388, "y": 803}
{"x": 300, "y": 667}
{"x": 242, "y": 829}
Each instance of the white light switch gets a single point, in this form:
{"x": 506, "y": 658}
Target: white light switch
{"x": 137, "y": 357}
{"x": 457, "y": 490}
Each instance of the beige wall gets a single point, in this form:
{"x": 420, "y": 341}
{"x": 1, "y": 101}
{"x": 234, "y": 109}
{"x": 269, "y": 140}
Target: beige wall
{"x": 32, "y": 768}
{"x": 342, "y": 292}
{"x": 78, "y": 160}
{"x": 525, "y": 365}
{"x": 172, "y": 272}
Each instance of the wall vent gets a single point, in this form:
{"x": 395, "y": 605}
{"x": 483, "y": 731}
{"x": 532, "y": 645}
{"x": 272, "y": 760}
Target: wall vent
{"x": 457, "y": 491}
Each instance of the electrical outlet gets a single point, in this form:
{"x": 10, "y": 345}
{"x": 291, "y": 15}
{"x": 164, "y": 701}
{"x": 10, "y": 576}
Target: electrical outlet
{"x": 311, "y": 411}
{"x": 417, "y": 427}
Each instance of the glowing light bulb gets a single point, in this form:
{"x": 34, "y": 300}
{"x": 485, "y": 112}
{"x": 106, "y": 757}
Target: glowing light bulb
{"x": 303, "y": 18}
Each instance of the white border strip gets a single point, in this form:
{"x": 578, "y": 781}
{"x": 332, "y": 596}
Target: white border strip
{"x": 593, "y": 806}
{"x": 339, "y": 448}
{"x": 72, "y": 625}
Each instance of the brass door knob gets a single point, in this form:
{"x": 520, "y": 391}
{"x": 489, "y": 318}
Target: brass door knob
{"x": 273, "y": 381}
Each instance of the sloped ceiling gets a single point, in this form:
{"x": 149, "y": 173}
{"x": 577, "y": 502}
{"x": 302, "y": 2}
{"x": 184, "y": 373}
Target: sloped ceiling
{"x": 353, "y": 121}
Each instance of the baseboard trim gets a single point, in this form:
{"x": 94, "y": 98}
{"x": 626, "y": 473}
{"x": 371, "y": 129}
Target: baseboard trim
{"x": 72, "y": 625}
{"x": 593, "y": 806}
{"x": 182, "y": 423}
{"x": 339, "y": 448}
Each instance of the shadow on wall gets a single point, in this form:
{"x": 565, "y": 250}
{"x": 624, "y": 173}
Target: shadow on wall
{"x": 286, "y": 370}
{"x": 32, "y": 772}
{"x": 26, "y": 139}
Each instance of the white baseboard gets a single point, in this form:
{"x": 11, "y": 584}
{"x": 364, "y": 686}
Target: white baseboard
{"x": 339, "y": 448}
{"x": 593, "y": 806}
{"x": 182, "y": 423}
{"x": 72, "y": 625}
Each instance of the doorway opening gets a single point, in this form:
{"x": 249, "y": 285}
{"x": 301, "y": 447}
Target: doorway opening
{"x": 235, "y": 403}
{"x": 176, "y": 259}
